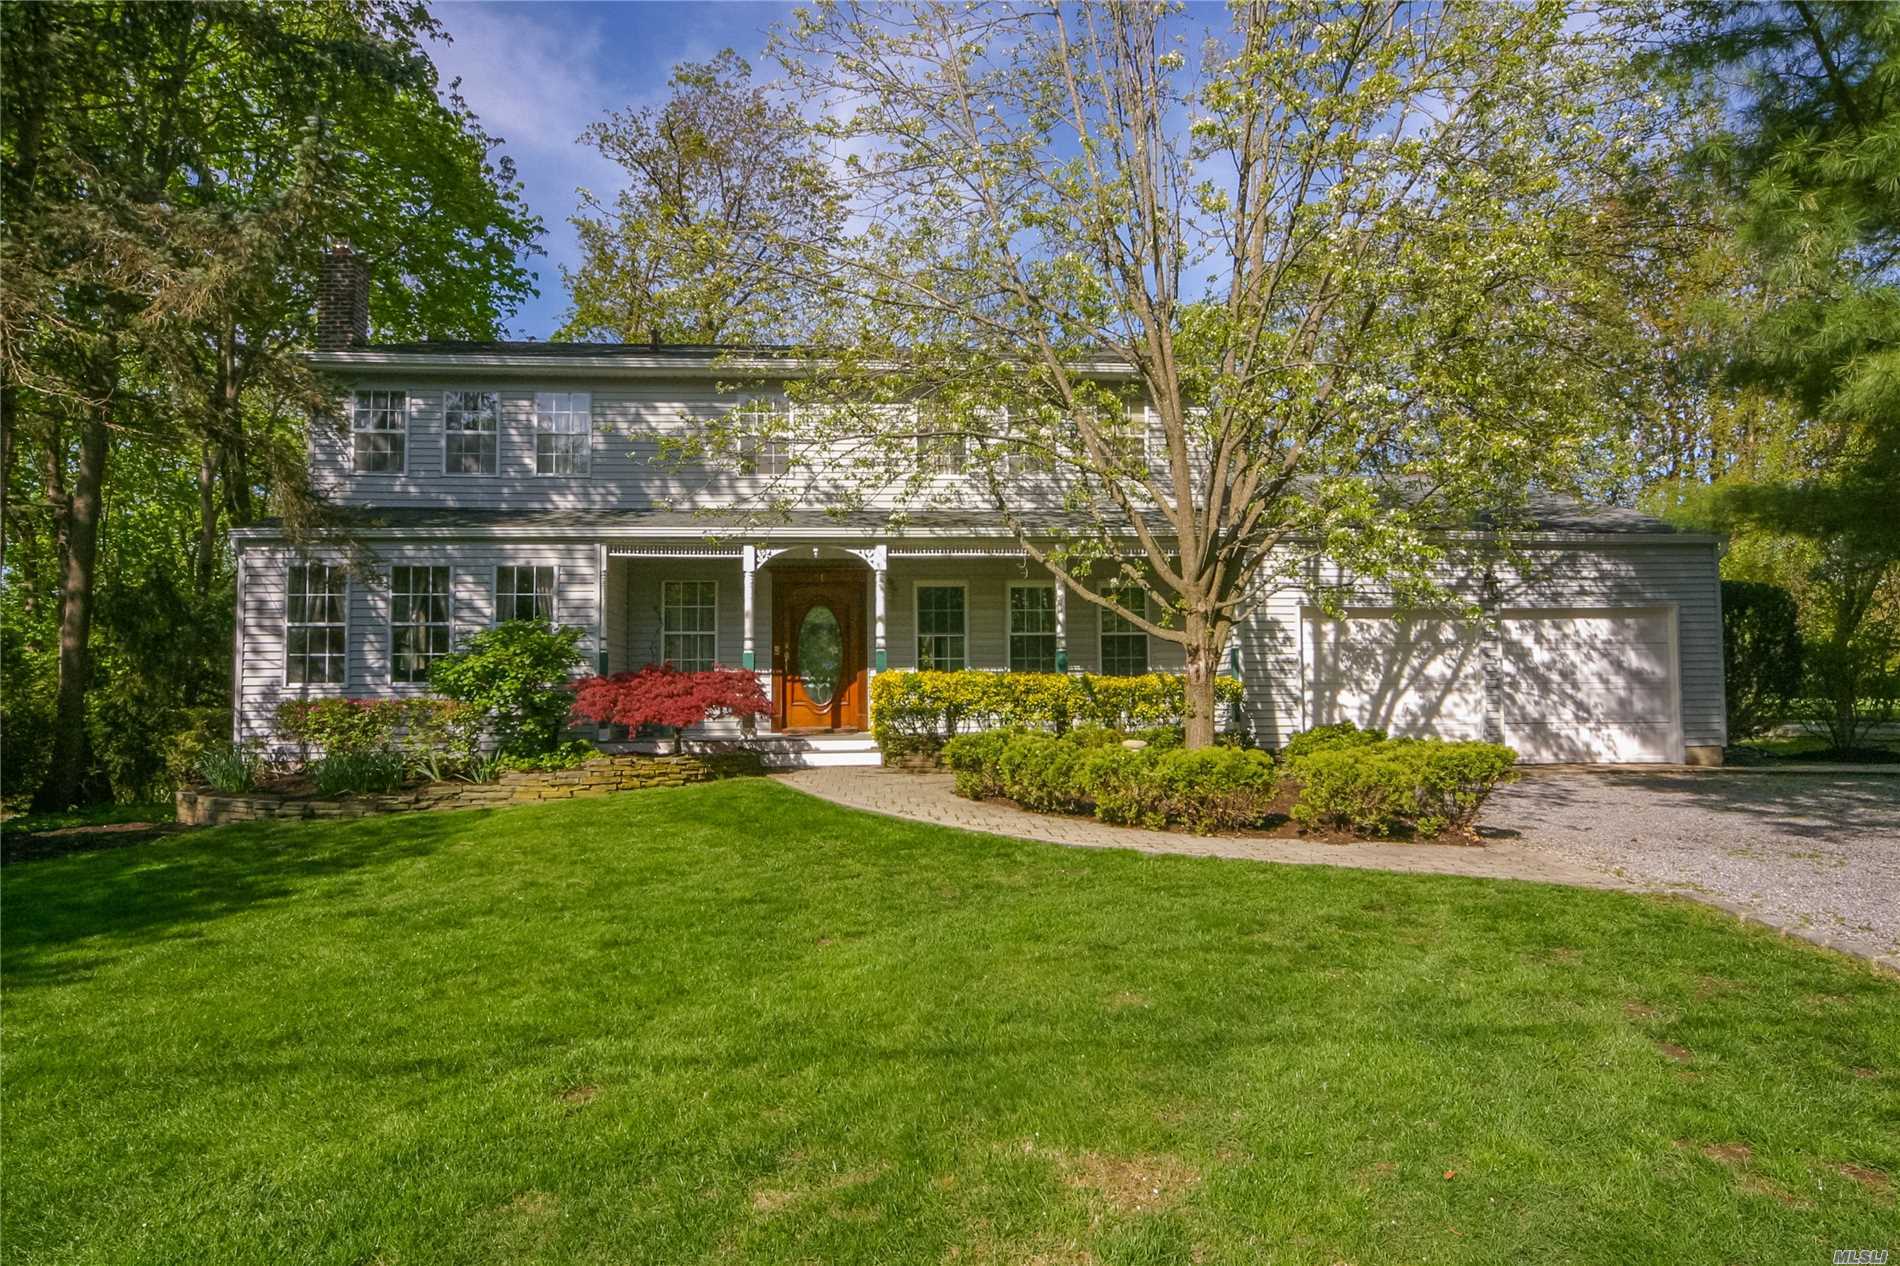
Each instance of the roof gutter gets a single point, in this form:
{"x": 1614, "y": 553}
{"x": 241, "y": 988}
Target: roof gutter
{"x": 833, "y": 532}
{"x": 620, "y": 365}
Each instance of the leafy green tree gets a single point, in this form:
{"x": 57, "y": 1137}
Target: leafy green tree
{"x": 1808, "y": 99}
{"x": 723, "y": 188}
{"x": 1350, "y": 251}
{"x": 170, "y": 174}
{"x": 1761, "y": 655}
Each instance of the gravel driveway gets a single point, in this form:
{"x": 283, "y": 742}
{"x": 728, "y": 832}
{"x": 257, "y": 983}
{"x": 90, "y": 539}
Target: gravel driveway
{"x": 1819, "y": 852}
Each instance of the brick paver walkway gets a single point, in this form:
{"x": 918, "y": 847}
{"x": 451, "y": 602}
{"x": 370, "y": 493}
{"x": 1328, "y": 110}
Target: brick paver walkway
{"x": 929, "y": 798}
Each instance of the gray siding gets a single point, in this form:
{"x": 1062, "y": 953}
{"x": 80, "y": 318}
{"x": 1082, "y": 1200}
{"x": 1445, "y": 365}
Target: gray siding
{"x": 629, "y": 467}
{"x": 1641, "y": 573}
{"x": 1268, "y": 650}
{"x": 261, "y": 613}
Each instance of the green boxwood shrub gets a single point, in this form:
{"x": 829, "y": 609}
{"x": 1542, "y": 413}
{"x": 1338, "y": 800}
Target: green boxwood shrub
{"x": 1420, "y": 786}
{"x": 1214, "y": 789}
{"x": 1326, "y": 738}
{"x": 973, "y": 759}
{"x": 921, "y": 711}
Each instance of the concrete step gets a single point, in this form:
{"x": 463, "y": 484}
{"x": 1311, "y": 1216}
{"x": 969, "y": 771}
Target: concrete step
{"x": 780, "y": 751}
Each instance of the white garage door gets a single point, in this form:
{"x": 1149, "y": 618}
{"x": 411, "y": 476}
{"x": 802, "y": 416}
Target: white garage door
{"x": 1592, "y": 686}
{"x": 1420, "y": 677}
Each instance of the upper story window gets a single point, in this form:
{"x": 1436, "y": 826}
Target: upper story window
{"x": 471, "y": 427}
{"x": 689, "y": 624}
{"x": 421, "y": 608}
{"x": 1032, "y": 627}
{"x": 316, "y": 625}
{"x": 942, "y": 628}
{"x": 1124, "y": 435}
{"x": 379, "y": 433}
{"x": 524, "y": 593}
{"x": 563, "y": 432}
{"x": 942, "y": 448}
{"x": 1124, "y": 644}
{"x": 764, "y": 448}
{"x": 1027, "y": 450}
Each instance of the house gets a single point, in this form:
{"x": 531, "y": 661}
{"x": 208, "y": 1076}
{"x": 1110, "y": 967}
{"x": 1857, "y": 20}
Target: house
{"x": 519, "y": 480}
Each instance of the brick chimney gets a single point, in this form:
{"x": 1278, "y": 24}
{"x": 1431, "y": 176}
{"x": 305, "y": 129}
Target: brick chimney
{"x": 342, "y": 299}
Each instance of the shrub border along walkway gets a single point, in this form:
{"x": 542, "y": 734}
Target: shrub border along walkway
{"x": 928, "y": 797}
{"x": 600, "y": 776}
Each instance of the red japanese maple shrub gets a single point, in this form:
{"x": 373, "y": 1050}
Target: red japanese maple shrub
{"x": 661, "y": 694}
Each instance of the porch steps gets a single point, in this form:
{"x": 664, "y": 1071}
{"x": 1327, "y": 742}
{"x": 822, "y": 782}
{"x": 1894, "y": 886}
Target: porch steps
{"x": 781, "y": 751}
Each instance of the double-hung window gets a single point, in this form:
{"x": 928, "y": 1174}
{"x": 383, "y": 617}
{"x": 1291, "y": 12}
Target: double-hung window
{"x": 942, "y": 448}
{"x": 1032, "y": 628}
{"x": 1125, "y": 644}
{"x": 1028, "y": 450}
{"x": 942, "y": 628}
{"x": 471, "y": 427}
{"x": 379, "y": 432}
{"x": 420, "y": 611}
{"x": 1124, "y": 435}
{"x": 316, "y": 625}
{"x": 563, "y": 432}
{"x": 689, "y": 616}
{"x": 764, "y": 449}
{"x": 524, "y": 593}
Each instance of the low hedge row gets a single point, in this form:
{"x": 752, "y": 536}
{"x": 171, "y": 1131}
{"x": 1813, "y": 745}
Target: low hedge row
{"x": 1349, "y": 779}
{"x": 1362, "y": 781}
{"x": 921, "y": 711}
{"x": 1089, "y": 771}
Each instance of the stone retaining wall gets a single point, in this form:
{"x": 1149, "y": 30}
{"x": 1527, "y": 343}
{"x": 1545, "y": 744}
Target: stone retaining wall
{"x": 598, "y": 777}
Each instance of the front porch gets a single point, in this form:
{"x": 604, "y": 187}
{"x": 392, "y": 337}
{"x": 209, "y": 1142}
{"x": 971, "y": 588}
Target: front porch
{"x": 817, "y": 618}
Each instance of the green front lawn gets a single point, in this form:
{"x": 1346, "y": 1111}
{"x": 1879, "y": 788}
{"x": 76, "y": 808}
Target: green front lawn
{"x": 728, "y": 1022}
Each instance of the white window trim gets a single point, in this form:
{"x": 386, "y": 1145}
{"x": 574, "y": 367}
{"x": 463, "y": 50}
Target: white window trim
{"x": 535, "y": 432}
{"x": 408, "y": 425}
{"x": 319, "y": 687}
{"x": 390, "y": 621}
{"x": 1102, "y": 632}
{"x": 664, "y": 631}
{"x": 501, "y": 408}
{"x": 930, "y": 463}
{"x": 1009, "y": 634}
{"x": 917, "y": 615}
{"x": 494, "y": 593}
{"x": 781, "y": 440}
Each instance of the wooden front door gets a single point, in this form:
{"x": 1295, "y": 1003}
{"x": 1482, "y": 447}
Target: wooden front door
{"x": 818, "y": 657}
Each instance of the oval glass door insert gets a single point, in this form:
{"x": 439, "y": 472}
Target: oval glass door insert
{"x": 820, "y": 655}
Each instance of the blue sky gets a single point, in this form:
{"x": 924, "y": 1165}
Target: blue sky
{"x": 537, "y": 73}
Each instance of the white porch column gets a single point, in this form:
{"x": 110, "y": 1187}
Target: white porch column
{"x": 748, "y": 568}
{"x": 880, "y": 561}
{"x": 600, "y": 608}
{"x": 1062, "y": 627}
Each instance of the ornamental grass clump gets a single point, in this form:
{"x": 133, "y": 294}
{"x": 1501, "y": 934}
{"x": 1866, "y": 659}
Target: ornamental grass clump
{"x": 228, "y": 767}
{"x": 357, "y": 772}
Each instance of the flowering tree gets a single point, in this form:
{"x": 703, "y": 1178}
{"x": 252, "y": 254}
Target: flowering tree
{"x": 1350, "y": 252}
{"x": 661, "y": 694}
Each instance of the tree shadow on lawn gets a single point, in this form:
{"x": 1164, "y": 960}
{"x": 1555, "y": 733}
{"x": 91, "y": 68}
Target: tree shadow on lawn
{"x": 1833, "y": 807}
{"x": 117, "y": 900}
